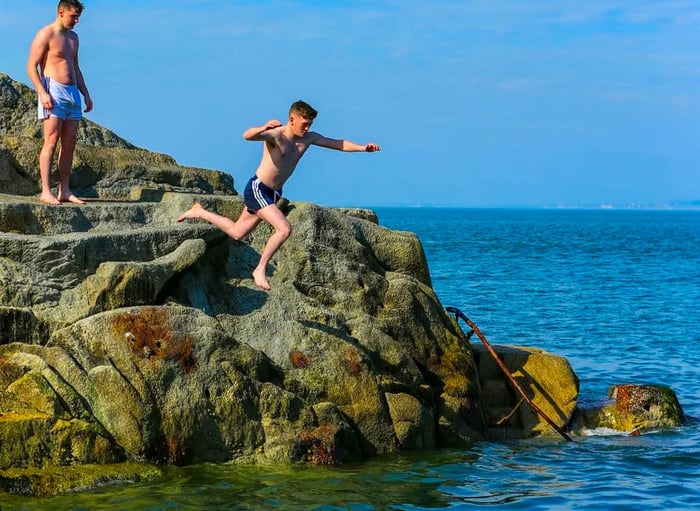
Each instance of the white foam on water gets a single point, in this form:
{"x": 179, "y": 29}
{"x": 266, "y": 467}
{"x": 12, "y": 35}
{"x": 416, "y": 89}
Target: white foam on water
{"x": 603, "y": 432}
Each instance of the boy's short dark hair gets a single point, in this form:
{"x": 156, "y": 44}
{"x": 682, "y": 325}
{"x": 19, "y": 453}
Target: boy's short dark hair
{"x": 304, "y": 109}
{"x": 71, "y": 4}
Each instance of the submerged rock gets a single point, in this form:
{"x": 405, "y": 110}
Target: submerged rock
{"x": 633, "y": 409}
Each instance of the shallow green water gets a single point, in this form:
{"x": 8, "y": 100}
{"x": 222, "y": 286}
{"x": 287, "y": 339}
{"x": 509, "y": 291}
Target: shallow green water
{"x": 654, "y": 471}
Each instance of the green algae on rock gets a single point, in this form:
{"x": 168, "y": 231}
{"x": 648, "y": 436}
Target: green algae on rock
{"x": 633, "y": 409}
{"x": 62, "y": 479}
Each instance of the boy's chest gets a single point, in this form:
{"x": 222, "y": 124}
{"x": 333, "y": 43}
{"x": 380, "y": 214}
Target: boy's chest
{"x": 61, "y": 46}
{"x": 291, "y": 149}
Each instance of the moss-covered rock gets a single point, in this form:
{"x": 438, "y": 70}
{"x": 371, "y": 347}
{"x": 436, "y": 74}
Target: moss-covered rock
{"x": 547, "y": 379}
{"x": 56, "y": 480}
{"x": 633, "y": 409}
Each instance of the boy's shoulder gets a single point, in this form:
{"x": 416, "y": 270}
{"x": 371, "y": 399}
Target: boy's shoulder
{"x": 310, "y": 136}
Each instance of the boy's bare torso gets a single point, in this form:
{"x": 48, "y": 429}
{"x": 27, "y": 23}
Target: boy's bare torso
{"x": 58, "y": 62}
{"x": 281, "y": 153}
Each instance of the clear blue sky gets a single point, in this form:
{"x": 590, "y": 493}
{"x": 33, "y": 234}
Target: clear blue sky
{"x": 474, "y": 102}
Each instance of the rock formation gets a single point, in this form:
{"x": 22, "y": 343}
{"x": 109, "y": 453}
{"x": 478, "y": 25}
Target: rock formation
{"x": 128, "y": 337}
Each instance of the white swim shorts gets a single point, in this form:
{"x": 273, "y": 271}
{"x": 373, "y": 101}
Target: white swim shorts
{"x": 66, "y": 101}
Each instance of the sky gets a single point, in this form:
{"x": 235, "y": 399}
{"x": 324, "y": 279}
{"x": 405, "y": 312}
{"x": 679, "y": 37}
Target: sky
{"x": 475, "y": 103}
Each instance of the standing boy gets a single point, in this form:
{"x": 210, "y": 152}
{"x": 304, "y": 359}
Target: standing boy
{"x": 54, "y": 71}
{"x": 284, "y": 145}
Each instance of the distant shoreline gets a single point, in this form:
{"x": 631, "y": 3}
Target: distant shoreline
{"x": 604, "y": 207}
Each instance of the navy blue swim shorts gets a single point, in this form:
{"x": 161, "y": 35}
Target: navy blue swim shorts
{"x": 258, "y": 195}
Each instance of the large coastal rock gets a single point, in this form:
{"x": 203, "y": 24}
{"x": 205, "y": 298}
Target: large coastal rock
{"x": 153, "y": 336}
{"x": 139, "y": 338}
{"x": 125, "y": 335}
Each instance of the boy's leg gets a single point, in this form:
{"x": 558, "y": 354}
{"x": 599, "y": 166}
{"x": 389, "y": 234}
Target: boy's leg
{"x": 52, "y": 128}
{"x": 246, "y": 222}
{"x": 69, "y": 134}
{"x": 273, "y": 216}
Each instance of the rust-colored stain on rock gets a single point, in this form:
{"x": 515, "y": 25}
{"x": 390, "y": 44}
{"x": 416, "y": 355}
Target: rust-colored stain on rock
{"x": 150, "y": 336}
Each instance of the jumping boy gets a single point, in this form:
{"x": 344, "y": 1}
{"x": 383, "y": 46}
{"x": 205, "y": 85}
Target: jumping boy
{"x": 284, "y": 145}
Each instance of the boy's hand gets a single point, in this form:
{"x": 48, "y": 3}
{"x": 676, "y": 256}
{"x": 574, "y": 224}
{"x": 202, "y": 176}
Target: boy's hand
{"x": 371, "y": 147}
{"x": 45, "y": 99}
{"x": 272, "y": 123}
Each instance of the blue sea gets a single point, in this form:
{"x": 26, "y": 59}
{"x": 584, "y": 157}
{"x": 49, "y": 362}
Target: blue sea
{"x": 616, "y": 292}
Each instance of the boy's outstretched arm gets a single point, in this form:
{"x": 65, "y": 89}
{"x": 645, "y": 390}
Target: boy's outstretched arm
{"x": 254, "y": 132}
{"x": 344, "y": 145}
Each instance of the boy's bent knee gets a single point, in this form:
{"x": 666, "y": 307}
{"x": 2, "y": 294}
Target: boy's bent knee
{"x": 284, "y": 231}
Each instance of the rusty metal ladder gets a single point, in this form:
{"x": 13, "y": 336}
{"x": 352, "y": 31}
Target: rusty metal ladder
{"x": 475, "y": 330}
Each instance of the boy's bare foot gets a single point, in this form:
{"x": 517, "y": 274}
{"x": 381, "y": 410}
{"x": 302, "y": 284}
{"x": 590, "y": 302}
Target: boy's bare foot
{"x": 193, "y": 212}
{"x": 48, "y": 198}
{"x": 260, "y": 279}
{"x": 71, "y": 198}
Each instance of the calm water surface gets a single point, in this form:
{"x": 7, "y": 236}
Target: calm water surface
{"x": 616, "y": 292}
